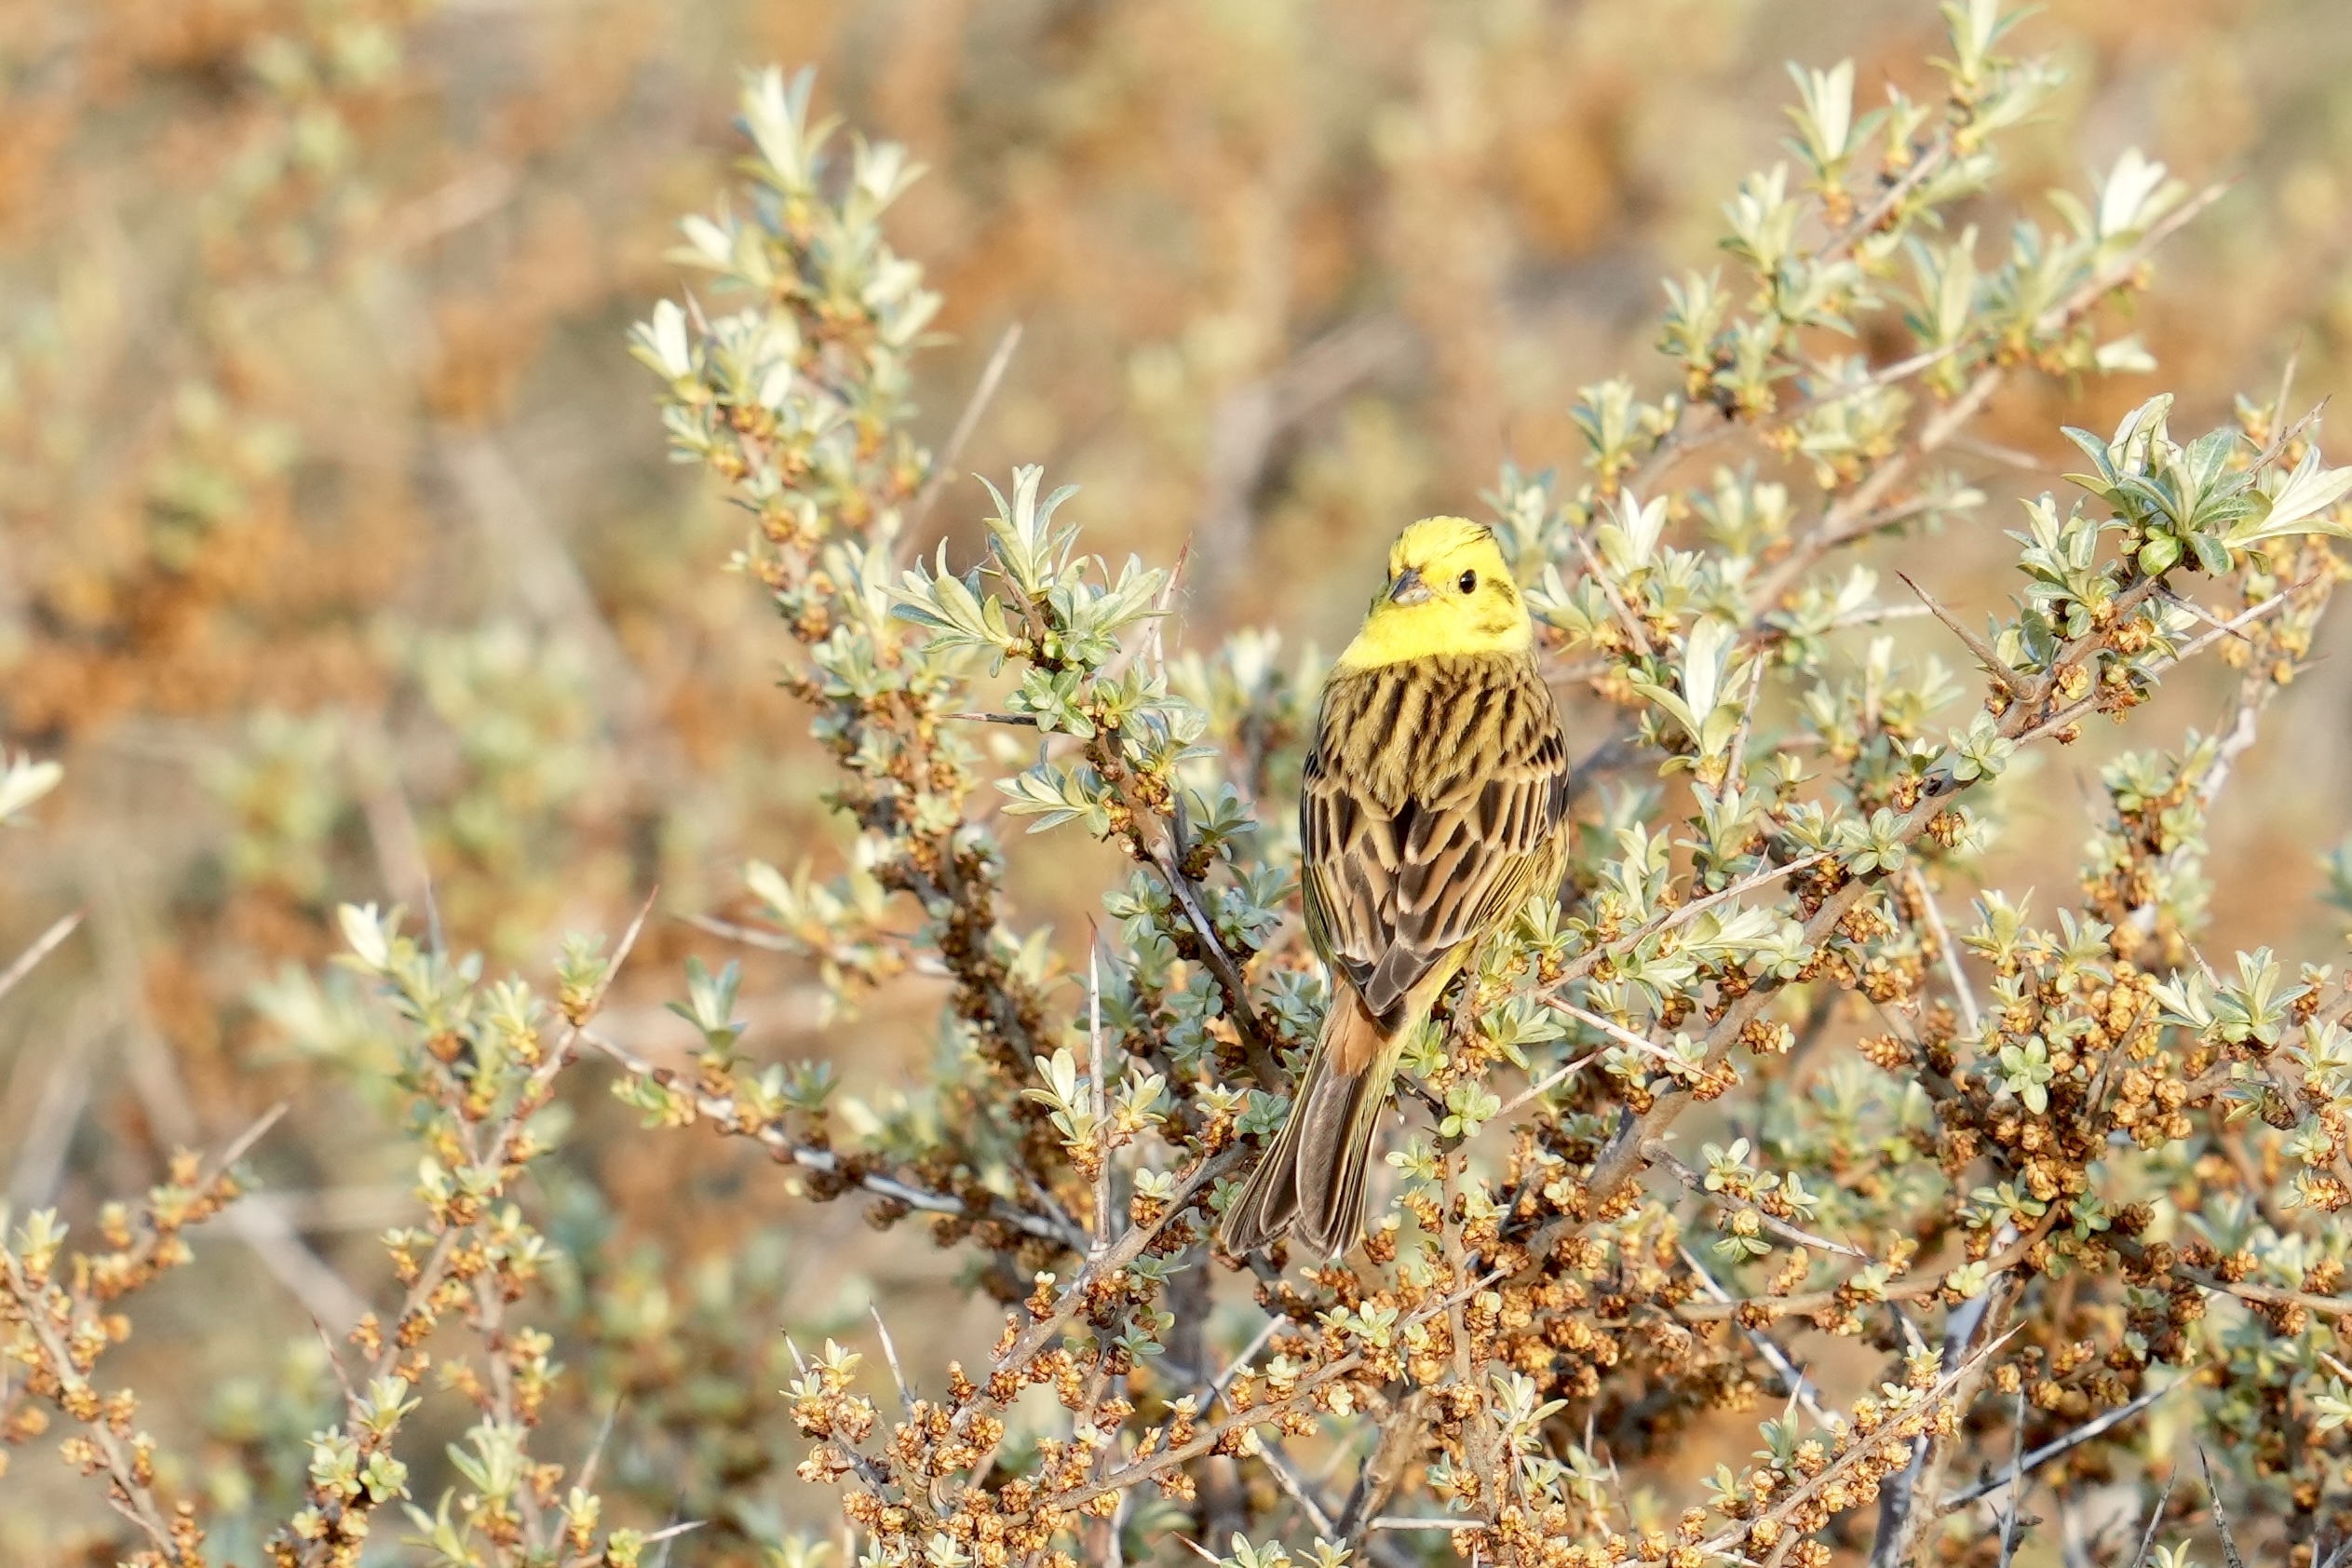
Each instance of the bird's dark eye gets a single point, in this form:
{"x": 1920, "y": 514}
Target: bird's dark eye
{"x": 1468, "y": 582}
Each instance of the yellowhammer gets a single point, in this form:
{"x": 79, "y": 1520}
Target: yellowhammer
{"x": 1436, "y": 800}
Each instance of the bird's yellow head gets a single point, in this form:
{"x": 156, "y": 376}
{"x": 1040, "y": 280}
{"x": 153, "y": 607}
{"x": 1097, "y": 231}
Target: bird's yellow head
{"x": 1448, "y": 591}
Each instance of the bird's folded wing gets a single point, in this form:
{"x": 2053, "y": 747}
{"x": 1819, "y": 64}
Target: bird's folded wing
{"x": 1393, "y": 893}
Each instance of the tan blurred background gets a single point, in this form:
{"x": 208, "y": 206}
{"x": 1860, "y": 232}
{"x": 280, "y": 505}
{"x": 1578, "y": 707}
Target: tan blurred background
{"x": 339, "y": 554}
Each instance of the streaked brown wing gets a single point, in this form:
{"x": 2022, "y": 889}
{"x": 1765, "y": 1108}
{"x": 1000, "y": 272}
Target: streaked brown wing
{"x": 1433, "y": 792}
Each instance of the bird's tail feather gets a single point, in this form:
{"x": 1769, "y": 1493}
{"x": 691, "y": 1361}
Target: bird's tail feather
{"x": 1312, "y": 1180}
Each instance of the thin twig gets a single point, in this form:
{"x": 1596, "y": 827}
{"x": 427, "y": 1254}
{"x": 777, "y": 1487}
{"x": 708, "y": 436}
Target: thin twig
{"x": 323, "y": 1293}
{"x": 243, "y": 1143}
{"x": 1625, "y": 612}
{"x": 2065, "y": 716}
{"x": 1903, "y": 1518}
{"x": 983, "y": 393}
{"x": 430, "y": 1275}
{"x": 1849, "y": 517}
{"x": 1400, "y": 1439}
{"x": 1656, "y": 1153}
{"x": 1155, "y": 633}
{"x": 1586, "y": 962}
{"x": 1125, "y": 1251}
{"x": 1096, "y": 1093}
{"x": 1792, "y": 1377}
{"x": 2016, "y": 1471}
{"x": 1536, "y": 1091}
{"x": 1879, "y": 614}
{"x": 1903, "y": 1289}
{"x": 672, "y": 1531}
{"x": 1962, "y": 992}
{"x": 1220, "y": 965}
{"x": 2155, "y": 1520}
{"x": 2286, "y": 384}
{"x": 1733, "y": 764}
{"x": 1746, "y": 884}
{"x": 334, "y": 1359}
{"x": 127, "y": 1493}
{"x": 1274, "y": 1325}
{"x": 890, "y": 1354}
{"x": 43, "y": 945}
{"x": 723, "y": 1110}
{"x": 1861, "y": 525}
{"x": 2221, "y": 1515}
{"x": 2001, "y": 673}
{"x": 1620, "y": 1159}
{"x": 1679, "y": 442}
{"x": 1786, "y": 1503}
{"x": 2198, "y": 612}
{"x": 1924, "y": 166}
{"x": 2027, "y": 1464}
{"x": 595, "y": 1447}
{"x": 1623, "y": 1036}
{"x": 2024, "y": 462}
{"x": 1285, "y": 1476}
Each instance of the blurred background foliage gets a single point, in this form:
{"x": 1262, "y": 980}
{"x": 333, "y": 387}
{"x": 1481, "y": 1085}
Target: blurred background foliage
{"x": 339, "y": 558}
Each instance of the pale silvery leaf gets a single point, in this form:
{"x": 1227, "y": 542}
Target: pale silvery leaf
{"x": 1676, "y": 708}
{"x": 1947, "y": 285}
{"x": 2126, "y": 356}
{"x": 2135, "y": 195}
{"x": 1704, "y": 658}
{"x": 1974, "y": 28}
{"x": 24, "y": 781}
{"x": 364, "y": 931}
{"x": 2310, "y": 490}
{"x": 884, "y": 172}
{"x": 767, "y": 885}
{"x": 2186, "y": 1001}
{"x": 1828, "y": 107}
{"x": 1023, "y": 528}
{"x": 2142, "y": 432}
{"x": 1763, "y": 218}
{"x": 661, "y": 345}
{"x": 1701, "y": 706}
{"x": 776, "y": 115}
{"x": 1054, "y": 796}
{"x": 1631, "y": 542}
{"x": 713, "y": 246}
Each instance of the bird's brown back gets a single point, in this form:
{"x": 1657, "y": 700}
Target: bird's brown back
{"x": 1437, "y": 792}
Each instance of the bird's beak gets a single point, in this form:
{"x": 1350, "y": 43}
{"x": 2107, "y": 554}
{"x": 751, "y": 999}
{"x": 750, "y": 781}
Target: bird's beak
{"x": 1409, "y": 589}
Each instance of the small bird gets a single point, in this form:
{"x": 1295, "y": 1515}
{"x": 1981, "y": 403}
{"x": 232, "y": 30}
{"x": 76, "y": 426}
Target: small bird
{"x": 1436, "y": 801}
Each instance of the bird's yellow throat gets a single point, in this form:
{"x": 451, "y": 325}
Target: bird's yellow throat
{"x": 1448, "y": 592}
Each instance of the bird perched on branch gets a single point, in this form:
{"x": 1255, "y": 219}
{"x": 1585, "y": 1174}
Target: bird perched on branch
{"x": 1436, "y": 801}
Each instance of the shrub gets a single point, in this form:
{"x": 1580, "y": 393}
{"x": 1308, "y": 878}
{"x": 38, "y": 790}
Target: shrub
{"x": 2060, "y": 1181}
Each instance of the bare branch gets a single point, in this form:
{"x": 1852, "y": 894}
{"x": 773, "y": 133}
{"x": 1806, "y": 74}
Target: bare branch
{"x": 1799, "y": 1386}
{"x": 2097, "y": 1427}
{"x": 1656, "y": 1153}
{"x": 2221, "y": 1515}
{"x": 43, "y": 945}
{"x": 1626, "y": 617}
{"x": 2156, "y": 1519}
{"x": 1963, "y": 993}
{"x": 975, "y": 408}
{"x": 2002, "y": 674}
{"x": 723, "y": 1111}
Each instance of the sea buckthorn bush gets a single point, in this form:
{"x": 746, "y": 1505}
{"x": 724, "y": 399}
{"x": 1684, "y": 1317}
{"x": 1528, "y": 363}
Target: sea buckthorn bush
{"x": 1967, "y": 1225}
